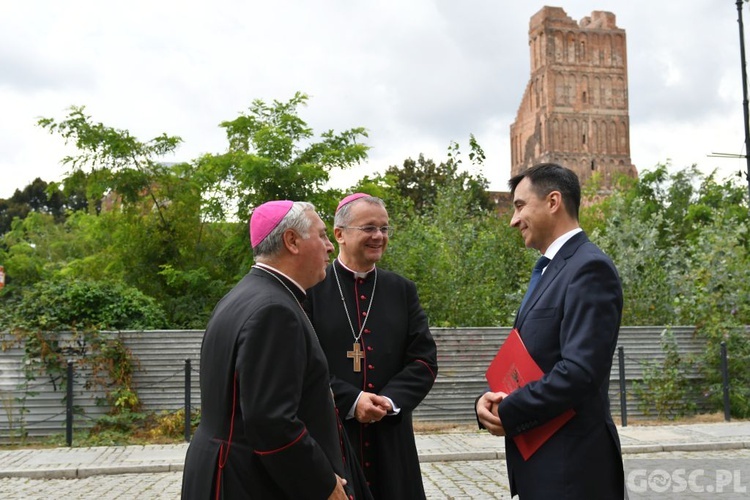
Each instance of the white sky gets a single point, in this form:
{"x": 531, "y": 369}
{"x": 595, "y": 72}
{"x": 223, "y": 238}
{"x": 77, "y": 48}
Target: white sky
{"x": 416, "y": 74}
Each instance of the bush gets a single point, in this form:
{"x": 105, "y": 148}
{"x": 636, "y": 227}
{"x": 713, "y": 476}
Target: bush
{"x": 171, "y": 425}
{"x": 70, "y": 305}
{"x": 665, "y": 386}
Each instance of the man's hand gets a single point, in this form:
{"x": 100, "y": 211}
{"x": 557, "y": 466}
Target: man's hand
{"x": 338, "y": 491}
{"x": 371, "y": 408}
{"x": 487, "y": 412}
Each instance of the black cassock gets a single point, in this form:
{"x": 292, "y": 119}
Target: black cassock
{"x": 399, "y": 362}
{"x": 261, "y": 363}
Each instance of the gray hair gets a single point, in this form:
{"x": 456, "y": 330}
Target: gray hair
{"x": 295, "y": 219}
{"x": 344, "y": 217}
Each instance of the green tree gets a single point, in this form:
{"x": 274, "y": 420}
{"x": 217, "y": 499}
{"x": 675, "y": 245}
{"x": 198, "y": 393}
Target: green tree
{"x": 28, "y": 250}
{"x": 116, "y": 162}
{"x": 467, "y": 266}
{"x": 273, "y": 154}
{"x": 680, "y": 242}
{"x": 450, "y": 241}
{"x": 419, "y": 181}
{"x": 650, "y": 271}
{"x": 715, "y": 296}
{"x": 148, "y": 230}
{"x": 686, "y": 200}
{"x": 170, "y": 230}
{"x": 38, "y": 196}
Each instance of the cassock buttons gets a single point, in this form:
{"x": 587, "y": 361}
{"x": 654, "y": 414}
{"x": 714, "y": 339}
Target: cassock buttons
{"x": 364, "y": 313}
{"x": 369, "y": 347}
{"x": 370, "y": 367}
{"x": 362, "y": 297}
{"x": 367, "y": 330}
{"x": 370, "y": 386}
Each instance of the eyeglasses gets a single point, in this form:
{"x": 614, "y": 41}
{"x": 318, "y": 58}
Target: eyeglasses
{"x": 386, "y": 230}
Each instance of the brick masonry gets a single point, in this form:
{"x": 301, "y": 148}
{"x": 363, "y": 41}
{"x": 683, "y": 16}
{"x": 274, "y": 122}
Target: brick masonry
{"x": 574, "y": 110}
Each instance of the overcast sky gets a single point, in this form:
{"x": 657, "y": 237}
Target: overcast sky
{"x": 416, "y": 74}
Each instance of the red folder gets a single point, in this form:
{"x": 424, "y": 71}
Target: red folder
{"x": 513, "y": 367}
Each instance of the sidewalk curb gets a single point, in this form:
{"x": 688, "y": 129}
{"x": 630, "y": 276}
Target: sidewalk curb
{"x": 84, "y": 472}
{"x": 462, "y": 456}
{"x": 713, "y": 446}
{"x": 670, "y": 447}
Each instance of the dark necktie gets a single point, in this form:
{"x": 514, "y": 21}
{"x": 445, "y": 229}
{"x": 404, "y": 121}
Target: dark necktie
{"x": 535, "y": 275}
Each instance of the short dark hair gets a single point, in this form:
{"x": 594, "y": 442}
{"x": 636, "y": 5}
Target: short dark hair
{"x": 548, "y": 177}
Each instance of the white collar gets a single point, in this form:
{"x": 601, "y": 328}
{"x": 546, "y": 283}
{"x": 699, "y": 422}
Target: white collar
{"x": 260, "y": 264}
{"x": 357, "y": 274}
{"x": 559, "y": 242}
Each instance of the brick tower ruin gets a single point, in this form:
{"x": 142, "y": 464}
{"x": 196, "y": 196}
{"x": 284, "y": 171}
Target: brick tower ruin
{"x": 575, "y": 107}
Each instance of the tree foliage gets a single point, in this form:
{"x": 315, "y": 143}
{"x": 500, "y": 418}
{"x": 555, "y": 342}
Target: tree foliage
{"x": 468, "y": 268}
{"x": 144, "y": 224}
{"x": 468, "y": 263}
{"x": 115, "y": 161}
{"x": 39, "y": 197}
{"x": 273, "y": 154}
{"x": 665, "y": 387}
{"x": 169, "y": 230}
{"x": 419, "y": 182}
{"x": 70, "y": 305}
{"x": 165, "y": 241}
{"x": 680, "y": 241}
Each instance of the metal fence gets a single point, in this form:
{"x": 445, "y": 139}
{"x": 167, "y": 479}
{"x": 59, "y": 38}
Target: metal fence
{"x": 36, "y": 408}
{"x": 464, "y": 354}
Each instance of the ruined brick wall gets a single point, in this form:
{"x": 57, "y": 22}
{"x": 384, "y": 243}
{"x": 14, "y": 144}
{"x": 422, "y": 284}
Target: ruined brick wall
{"x": 574, "y": 110}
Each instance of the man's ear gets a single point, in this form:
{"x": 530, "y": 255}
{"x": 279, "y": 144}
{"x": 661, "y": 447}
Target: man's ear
{"x": 554, "y": 201}
{"x": 291, "y": 240}
{"x": 338, "y": 234}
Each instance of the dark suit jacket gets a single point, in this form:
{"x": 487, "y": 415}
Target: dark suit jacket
{"x": 264, "y": 381}
{"x": 570, "y": 326}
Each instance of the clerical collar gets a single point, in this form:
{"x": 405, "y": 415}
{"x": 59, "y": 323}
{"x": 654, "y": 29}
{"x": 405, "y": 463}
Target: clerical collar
{"x": 357, "y": 274}
{"x": 271, "y": 268}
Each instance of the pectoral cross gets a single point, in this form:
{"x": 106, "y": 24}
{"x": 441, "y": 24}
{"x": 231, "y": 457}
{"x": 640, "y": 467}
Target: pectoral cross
{"x": 356, "y": 356}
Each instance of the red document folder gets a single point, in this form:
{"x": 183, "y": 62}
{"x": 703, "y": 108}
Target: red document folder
{"x": 513, "y": 367}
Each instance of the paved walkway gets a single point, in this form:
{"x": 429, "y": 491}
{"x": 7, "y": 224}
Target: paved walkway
{"x": 69, "y": 463}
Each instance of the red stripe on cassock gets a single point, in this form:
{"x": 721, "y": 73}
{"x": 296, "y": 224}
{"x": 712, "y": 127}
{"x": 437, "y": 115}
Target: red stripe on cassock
{"x": 223, "y": 457}
{"x": 428, "y": 367}
{"x": 270, "y": 452}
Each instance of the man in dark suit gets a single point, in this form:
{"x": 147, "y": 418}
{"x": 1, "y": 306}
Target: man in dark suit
{"x": 569, "y": 324}
{"x": 268, "y": 427}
